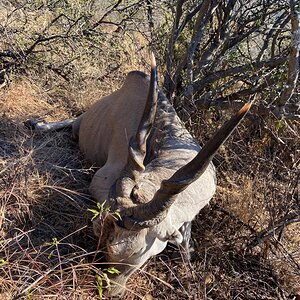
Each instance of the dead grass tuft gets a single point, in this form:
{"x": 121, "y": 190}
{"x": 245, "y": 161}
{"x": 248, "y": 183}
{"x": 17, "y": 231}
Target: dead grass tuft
{"x": 24, "y": 100}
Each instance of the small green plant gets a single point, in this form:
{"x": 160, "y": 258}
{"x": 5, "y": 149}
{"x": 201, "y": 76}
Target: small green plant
{"x": 112, "y": 270}
{"x": 99, "y": 282}
{"x": 55, "y": 243}
{"x": 97, "y": 212}
{"x": 101, "y": 209}
{"x": 3, "y": 262}
{"x": 104, "y": 277}
{"x": 28, "y": 296}
{"x": 281, "y": 124}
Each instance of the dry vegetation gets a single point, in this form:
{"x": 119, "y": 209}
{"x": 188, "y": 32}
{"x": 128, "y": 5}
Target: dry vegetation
{"x": 247, "y": 241}
{"x": 47, "y": 247}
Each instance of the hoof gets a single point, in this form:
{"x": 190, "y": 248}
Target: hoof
{"x": 32, "y": 123}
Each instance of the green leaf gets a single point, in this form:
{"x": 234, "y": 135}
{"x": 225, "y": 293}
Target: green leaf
{"x": 50, "y": 255}
{"x": 95, "y": 212}
{"x": 112, "y": 270}
{"x": 55, "y": 242}
{"x": 28, "y": 296}
{"x": 99, "y": 285}
{"x": 3, "y": 262}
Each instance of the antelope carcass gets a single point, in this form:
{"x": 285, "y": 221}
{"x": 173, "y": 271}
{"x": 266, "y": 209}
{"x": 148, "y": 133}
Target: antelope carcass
{"x": 151, "y": 172}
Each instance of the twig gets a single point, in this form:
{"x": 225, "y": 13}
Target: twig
{"x": 273, "y": 229}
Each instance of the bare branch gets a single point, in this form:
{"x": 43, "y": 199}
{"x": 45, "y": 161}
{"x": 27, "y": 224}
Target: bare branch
{"x": 168, "y": 82}
{"x": 199, "y": 84}
{"x": 293, "y": 67}
{"x": 271, "y": 33}
{"x": 273, "y": 229}
{"x": 203, "y": 17}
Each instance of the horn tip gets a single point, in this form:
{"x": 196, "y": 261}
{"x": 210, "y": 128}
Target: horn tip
{"x": 153, "y": 61}
{"x": 245, "y": 108}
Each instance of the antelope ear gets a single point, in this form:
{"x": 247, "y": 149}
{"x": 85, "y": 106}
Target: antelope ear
{"x": 172, "y": 235}
{"x": 175, "y": 236}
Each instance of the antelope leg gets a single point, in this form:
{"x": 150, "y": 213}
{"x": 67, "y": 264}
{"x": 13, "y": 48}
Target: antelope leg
{"x": 39, "y": 125}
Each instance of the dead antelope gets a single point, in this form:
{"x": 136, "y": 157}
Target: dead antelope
{"x": 151, "y": 171}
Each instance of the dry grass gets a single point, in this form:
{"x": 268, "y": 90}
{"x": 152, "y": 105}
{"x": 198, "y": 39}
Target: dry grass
{"x": 43, "y": 197}
{"x": 46, "y": 244}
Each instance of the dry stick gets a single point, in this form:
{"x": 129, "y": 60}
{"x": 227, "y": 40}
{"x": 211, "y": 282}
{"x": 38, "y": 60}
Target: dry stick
{"x": 280, "y": 19}
{"x": 177, "y": 279}
{"x": 100, "y": 236}
{"x": 202, "y": 20}
{"x": 233, "y": 101}
{"x": 228, "y": 41}
{"x": 63, "y": 191}
{"x": 232, "y": 40}
{"x": 6, "y": 242}
{"x": 225, "y": 22}
{"x": 271, "y": 230}
{"x": 101, "y": 20}
{"x": 168, "y": 82}
{"x": 201, "y": 9}
{"x": 217, "y": 75}
{"x": 293, "y": 67}
{"x": 279, "y": 30}
{"x": 289, "y": 255}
